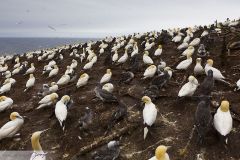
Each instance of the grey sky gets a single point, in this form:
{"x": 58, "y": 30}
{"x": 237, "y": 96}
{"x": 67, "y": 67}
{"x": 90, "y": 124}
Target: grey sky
{"x": 96, "y": 18}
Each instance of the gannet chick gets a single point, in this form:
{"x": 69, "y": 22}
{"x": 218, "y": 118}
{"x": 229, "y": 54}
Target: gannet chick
{"x": 11, "y": 127}
{"x": 189, "y": 88}
{"x": 5, "y": 103}
{"x": 207, "y": 85}
{"x": 30, "y": 83}
{"x": 146, "y": 59}
{"x": 124, "y": 58}
{"x": 190, "y": 50}
{"x": 31, "y": 69}
{"x": 203, "y": 118}
{"x": 63, "y": 80}
{"x": 54, "y": 71}
{"x": 223, "y": 120}
{"x": 48, "y": 100}
{"x": 108, "y": 87}
{"x": 53, "y": 87}
{"x": 110, "y": 151}
{"x": 217, "y": 75}
{"x": 149, "y": 114}
{"x": 61, "y": 110}
{"x": 185, "y": 63}
{"x": 38, "y": 153}
{"x": 86, "y": 119}
{"x": 150, "y": 71}
{"x": 198, "y": 69}
{"x": 195, "y": 42}
{"x": 161, "y": 153}
{"x": 104, "y": 95}
{"x": 106, "y": 77}
{"x": 83, "y": 80}
{"x": 161, "y": 80}
{"x": 202, "y": 51}
{"x": 6, "y": 86}
{"x": 126, "y": 77}
{"x": 158, "y": 51}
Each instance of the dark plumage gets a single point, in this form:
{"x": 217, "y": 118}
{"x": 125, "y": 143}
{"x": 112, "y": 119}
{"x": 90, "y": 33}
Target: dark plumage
{"x": 207, "y": 85}
{"x": 104, "y": 95}
{"x": 202, "y": 51}
{"x": 152, "y": 91}
{"x": 203, "y": 118}
{"x": 86, "y": 119}
{"x": 126, "y": 77}
{"x": 160, "y": 80}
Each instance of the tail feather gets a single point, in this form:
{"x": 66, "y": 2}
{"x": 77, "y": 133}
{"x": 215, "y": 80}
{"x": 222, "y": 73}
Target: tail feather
{"x": 145, "y": 132}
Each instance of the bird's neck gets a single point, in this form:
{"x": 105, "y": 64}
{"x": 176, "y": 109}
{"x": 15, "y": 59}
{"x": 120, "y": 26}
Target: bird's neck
{"x": 36, "y": 145}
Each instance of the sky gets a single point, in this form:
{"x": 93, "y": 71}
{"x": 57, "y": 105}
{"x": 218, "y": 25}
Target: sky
{"x": 100, "y": 18}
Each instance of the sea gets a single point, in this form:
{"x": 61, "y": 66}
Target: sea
{"x": 22, "y": 45}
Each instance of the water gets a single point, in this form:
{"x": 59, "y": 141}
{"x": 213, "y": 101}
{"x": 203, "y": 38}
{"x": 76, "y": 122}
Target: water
{"x": 22, "y": 45}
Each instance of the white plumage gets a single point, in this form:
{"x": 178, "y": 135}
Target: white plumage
{"x": 217, "y": 75}
{"x": 47, "y": 100}
{"x": 82, "y": 81}
{"x": 185, "y": 63}
{"x": 30, "y": 83}
{"x": 63, "y": 80}
{"x": 189, "y": 88}
{"x": 158, "y": 51}
{"x": 195, "y": 42}
{"x": 146, "y": 59}
{"x": 54, "y": 71}
{"x": 124, "y": 58}
{"x": 106, "y": 77}
{"x": 5, "y": 103}
{"x": 198, "y": 69}
{"x": 150, "y": 71}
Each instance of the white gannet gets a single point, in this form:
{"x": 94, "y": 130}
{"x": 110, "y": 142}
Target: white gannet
{"x": 31, "y": 69}
{"x": 198, "y": 69}
{"x": 161, "y": 153}
{"x": 88, "y": 65}
{"x": 149, "y": 114}
{"x": 63, "y": 80}
{"x": 74, "y": 64}
{"x": 185, "y": 63}
{"x": 146, "y": 59}
{"x": 195, "y": 42}
{"x": 48, "y": 100}
{"x": 223, "y": 120}
{"x": 190, "y": 49}
{"x": 150, "y": 71}
{"x": 204, "y": 33}
{"x": 30, "y": 83}
{"x": 69, "y": 70}
{"x": 16, "y": 71}
{"x": 108, "y": 87}
{"x": 217, "y": 75}
{"x": 38, "y": 153}
{"x": 3, "y": 69}
{"x": 149, "y": 46}
{"x": 61, "y": 110}
{"x": 54, "y": 71}
{"x": 115, "y": 56}
{"x": 6, "y": 86}
{"x": 135, "y": 50}
{"x": 106, "y": 77}
{"x": 53, "y": 87}
{"x": 238, "y": 85}
{"x": 189, "y": 88}
{"x": 177, "y": 38}
{"x": 11, "y": 127}
{"x": 182, "y": 46}
{"x": 158, "y": 51}
{"x": 5, "y": 103}
{"x": 124, "y": 58}
{"x": 186, "y": 39}
{"x": 83, "y": 80}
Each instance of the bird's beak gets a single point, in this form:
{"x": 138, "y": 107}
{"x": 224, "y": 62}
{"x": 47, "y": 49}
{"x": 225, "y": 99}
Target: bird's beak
{"x": 19, "y": 117}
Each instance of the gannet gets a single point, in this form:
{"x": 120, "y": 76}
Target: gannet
{"x": 161, "y": 153}
{"x": 16, "y": 71}
{"x": 158, "y": 51}
{"x": 3, "y": 69}
{"x": 204, "y": 33}
{"x": 48, "y": 100}
{"x": 69, "y": 70}
{"x": 185, "y": 63}
{"x": 198, "y": 69}
{"x": 124, "y": 58}
{"x": 104, "y": 95}
{"x": 149, "y": 114}
{"x": 54, "y": 71}
{"x": 53, "y": 87}
{"x": 108, "y": 87}
{"x": 83, "y": 80}
{"x": 189, "y": 88}
{"x": 146, "y": 59}
{"x": 195, "y": 42}
{"x": 63, "y": 80}
{"x": 223, "y": 120}
{"x": 135, "y": 50}
{"x": 177, "y": 38}
{"x": 88, "y": 65}
{"x": 190, "y": 49}
{"x": 5, "y": 103}
{"x": 106, "y": 77}
{"x": 31, "y": 69}
{"x": 217, "y": 75}
{"x": 207, "y": 85}
{"x": 30, "y": 83}
{"x": 186, "y": 39}
{"x": 38, "y": 153}
{"x": 126, "y": 77}
{"x": 115, "y": 57}
{"x": 6, "y": 86}
{"x": 150, "y": 71}
{"x": 74, "y": 64}
{"x": 11, "y": 127}
{"x": 182, "y": 46}
{"x": 61, "y": 110}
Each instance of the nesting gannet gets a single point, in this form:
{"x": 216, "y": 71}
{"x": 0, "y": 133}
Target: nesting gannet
{"x": 12, "y": 81}
{"x": 158, "y": 51}
{"x": 6, "y": 86}
{"x": 108, "y": 87}
{"x": 124, "y": 58}
{"x": 69, "y": 70}
{"x": 16, "y": 71}
{"x": 195, "y": 42}
{"x": 203, "y": 118}
{"x": 88, "y": 65}
{"x": 53, "y": 87}
{"x": 74, "y": 64}
{"x": 186, "y": 39}
{"x": 189, "y": 88}
{"x": 61, "y": 110}
{"x": 65, "y": 79}
{"x": 161, "y": 153}
{"x": 149, "y": 114}
{"x": 104, "y": 95}
{"x": 198, "y": 69}
{"x": 126, "y": 77}
{"x": 149, "y": 46}
{"x": 30, "y": 83}
{"x": 207, "y": 85}
{"x": 177, "y": 38}
{"x": 38, "y": 153}
{"x": 31, "y": 69}
{"x": 161, "y": 79}
{"x": 135, "y": 50}
{"x": 106, "y": 77}
{"x": 48, "y": 100}
{"x": 3, "y": 69}
{"x": 115, "y": 57}
{"x": 146, "y": 59}
{"x": 7, "y": 74}
{"x": 54, "y": 71}
{"x": 11, "y": 127}
{"x": 5, "y": 103}
{"x": 182, "y": 46}
{"x": 150, "y": 71}
{"x": 202, "y": 51}
{"x": 223, "y": 120}
{"x": 83, "y": 80}
{"x": 217, "y": 75}
{"x": 185, "y": 63}
{"x": 190, "y": 49}
{"x": 204, "y": 33}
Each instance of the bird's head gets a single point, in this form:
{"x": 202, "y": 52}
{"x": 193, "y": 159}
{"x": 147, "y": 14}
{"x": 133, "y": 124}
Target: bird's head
{"x": 83, "y": 75}
{"x": 224, "y": 106}
{"x": 210, "y": 62}
{"x": 191, "y": 78}
{"x": 199, "y": 60}
{"x": 152, "y": 66}
{"x": 108, "y": 71}
{"x": 3, "y": 98}
{"x": 31, "y": 76}
{"x": 160, "y": 46}
{"x": 146, "y": 53}
{"x": 65, "y": 99}
{"x": 160, "y": 151}
{"x": 54, "y": 96}
{"x": 146, "y": 99}
{"x": 15, "y": 115}
{"x": 53, "y": 83}
{"x": 35, "y": 140}
{"x": 32, "y": 64}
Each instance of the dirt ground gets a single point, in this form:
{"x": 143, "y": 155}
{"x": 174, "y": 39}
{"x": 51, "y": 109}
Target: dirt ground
{"x": 175, "y": 118}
